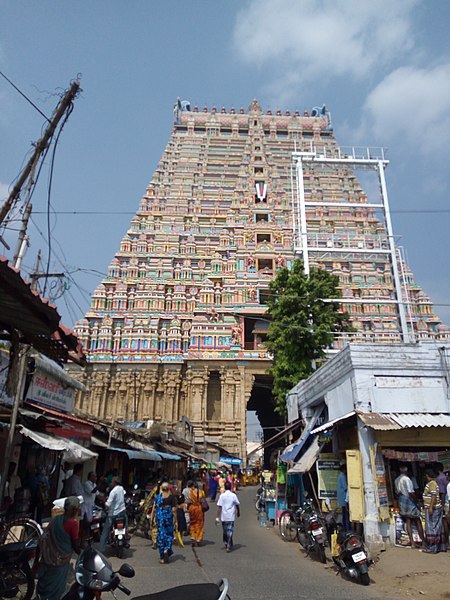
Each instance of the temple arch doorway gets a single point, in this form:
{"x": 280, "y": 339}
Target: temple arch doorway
{"x": 262, "y": 403}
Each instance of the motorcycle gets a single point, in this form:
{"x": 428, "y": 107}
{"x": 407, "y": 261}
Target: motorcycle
{"x": 133, "y": 508}
{"x": 95, "y": 526}
{"x": 260, "y": 502}
{"x": 311, "y": 533}
{"x": 16, "y": 576}
{"x": 352, "y": 557}
{"x": 94, "y": 575}
{"x": 118, "y": 536}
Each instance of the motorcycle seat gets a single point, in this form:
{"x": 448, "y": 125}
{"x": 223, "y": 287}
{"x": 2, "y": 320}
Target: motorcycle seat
{"x": 195, "y": 591}
{"x": 10, "y": 550}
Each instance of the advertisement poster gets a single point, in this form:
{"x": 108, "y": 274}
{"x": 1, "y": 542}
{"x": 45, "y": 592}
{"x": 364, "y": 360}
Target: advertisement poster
{"x": 380, "y": 475}
{"x": 327, "y": 476}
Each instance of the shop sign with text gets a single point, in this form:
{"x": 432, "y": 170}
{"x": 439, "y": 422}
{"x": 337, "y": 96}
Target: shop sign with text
{"x": 49, "y": 392}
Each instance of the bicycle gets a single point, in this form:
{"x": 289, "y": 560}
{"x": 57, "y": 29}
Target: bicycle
{"x": 22, "y": 529}
{"x": 290, "y": 522}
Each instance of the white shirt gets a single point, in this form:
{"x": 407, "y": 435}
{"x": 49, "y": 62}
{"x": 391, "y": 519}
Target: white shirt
{"x": 404, "y": 485}
{"x": 228, "y": 501}
{"x": 116, "y": 501}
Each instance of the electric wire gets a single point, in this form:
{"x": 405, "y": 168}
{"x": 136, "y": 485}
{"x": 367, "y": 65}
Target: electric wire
{"x": 24, "y": 96}
{"x": 121, "y": 212}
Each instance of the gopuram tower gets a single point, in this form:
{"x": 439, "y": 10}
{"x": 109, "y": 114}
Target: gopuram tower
{"x": 177, "y": 327}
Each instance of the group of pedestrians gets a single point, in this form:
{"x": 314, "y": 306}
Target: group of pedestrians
{"x": 174, "y": 516}
{"x": 435, "y": 501}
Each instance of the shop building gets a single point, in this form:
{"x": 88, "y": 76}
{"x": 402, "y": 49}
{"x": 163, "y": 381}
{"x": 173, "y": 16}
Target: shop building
{"x": 375, "y": 406}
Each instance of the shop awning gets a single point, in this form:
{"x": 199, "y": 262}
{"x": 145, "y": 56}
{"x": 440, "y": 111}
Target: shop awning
{"x": 72, "y": 452}
{"x": 292, "y": 451}
{"x": 307, "y": 459}
{"x": 330, "y": 424}
{"x": 43, "y": 439}
{"x": 168, "y": 456}
{"x": 392, "y": 421}
{"x": 278, "y": 435}
{"x": 138, "y": 454}
{"x": 75, "y": 453}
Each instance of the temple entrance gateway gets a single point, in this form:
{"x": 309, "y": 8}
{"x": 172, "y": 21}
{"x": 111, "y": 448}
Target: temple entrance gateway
{"x": 178, "y": 328}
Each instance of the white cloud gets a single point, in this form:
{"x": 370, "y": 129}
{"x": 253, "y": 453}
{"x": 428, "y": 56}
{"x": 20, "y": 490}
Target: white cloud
{"x": 308, "y": 39}
{"x": 412, "y": 104}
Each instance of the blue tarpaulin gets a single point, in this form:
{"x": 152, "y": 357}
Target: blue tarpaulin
{"x": 139, "y": 454}
{"x": 292, "y": 452}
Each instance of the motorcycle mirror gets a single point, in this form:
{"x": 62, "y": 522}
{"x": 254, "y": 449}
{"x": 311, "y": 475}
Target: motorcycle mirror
{"x": 126, "y": 570}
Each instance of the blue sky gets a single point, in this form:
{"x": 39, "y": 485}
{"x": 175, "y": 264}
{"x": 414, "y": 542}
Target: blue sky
{"x": 381, "y": 67}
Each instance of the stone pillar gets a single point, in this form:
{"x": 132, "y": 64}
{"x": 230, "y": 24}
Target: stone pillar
{"x": 372, "y": 535}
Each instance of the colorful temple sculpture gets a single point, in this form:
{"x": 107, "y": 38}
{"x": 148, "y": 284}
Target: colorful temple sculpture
{"x": 177, "y": 328}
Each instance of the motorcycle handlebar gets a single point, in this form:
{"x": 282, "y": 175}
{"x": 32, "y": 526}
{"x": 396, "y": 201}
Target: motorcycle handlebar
{"x": 124, "y": 589}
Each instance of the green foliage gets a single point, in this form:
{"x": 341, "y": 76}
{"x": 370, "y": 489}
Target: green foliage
{"x": 302, "y": 326}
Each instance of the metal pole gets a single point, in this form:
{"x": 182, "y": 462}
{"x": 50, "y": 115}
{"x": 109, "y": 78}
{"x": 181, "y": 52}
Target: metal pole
{"x": 302, "y": 215}
{"x": 22, "y": 367}
{"x": 18, "y": 255}
{"x": 393, "y": 254}
{"x": 40, "y": 147}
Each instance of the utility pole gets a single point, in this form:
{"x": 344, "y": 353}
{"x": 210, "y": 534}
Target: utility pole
{"x": 22, "y": 240}
{"x": 39, "y": 149}
{"x": 21, "y": 350}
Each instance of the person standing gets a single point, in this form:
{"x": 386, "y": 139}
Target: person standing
{"x": 227, "y": 511}
{"x": 196, "y": 515}
{"x": 407, "y": 503}
{"x": 433, "y": 515}
{"x": 441, "y": 480}
{"x": 72, "y": 485}
{"x": 165, "y": 517}
{"x": 56, "y": 547}
{"x": 212, "y": 486}
{"x": 115, "y": 506}
{"x": 342, "y": 496}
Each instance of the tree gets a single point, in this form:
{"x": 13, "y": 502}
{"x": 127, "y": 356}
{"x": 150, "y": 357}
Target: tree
{"x": 302, "y": 325}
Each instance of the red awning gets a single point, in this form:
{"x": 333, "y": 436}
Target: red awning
{"x": 34, "y": 318}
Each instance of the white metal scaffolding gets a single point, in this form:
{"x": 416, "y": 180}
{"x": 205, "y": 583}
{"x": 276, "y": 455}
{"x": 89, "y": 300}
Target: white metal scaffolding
{"x": 316, "y": 246}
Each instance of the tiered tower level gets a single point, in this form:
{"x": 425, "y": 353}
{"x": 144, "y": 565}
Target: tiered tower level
{"x": 177, "y": 326}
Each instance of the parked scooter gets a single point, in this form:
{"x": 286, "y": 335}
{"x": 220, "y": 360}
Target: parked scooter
{"x": 94, "y": 575}
{"x": 352, "y": 557}
{"x": 311, "y": 532}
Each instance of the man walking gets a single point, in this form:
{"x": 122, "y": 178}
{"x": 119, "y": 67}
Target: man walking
{"x": 227, "y": 511}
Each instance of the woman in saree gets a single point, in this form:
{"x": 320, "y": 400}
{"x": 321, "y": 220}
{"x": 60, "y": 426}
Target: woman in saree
{"x": 196, "y": 515}
{"x": 434, "y": 530}
{"x": 57, "y": 546}
{"x": 165, "y": 518}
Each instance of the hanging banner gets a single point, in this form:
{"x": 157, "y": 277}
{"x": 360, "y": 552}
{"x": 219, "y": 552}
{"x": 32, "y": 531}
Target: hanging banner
{"x": 327, "y": 476}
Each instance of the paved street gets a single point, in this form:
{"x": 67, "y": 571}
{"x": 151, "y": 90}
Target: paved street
{"x": 261, "y": 567}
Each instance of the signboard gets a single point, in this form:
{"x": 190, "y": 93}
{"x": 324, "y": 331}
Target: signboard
{"x": 49, "y": 392}
{"x": 327, "y": 476}
{"x": 4, "y": 366}
{"x": 229, "y": 460}
{"x": 381, "y": 480}
{"x": 76, "y": 431}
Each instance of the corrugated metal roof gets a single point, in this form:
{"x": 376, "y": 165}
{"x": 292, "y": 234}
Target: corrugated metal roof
{"x": 330, "y": 424}
{"x": 391, "y": 421}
